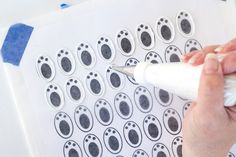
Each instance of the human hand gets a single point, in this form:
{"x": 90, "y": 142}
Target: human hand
{"x": 209, "y": 128}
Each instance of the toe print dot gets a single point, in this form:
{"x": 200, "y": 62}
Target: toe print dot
{"x": 115, "y": 80}
{"x": 177, "y": 146}
{"x": 131, "y": 62}
{"x": 185, "y": 108}
{"x": 143, "y": 99}
{"x": 75, "y": 90}
{"x": 152, "y": 127}
{"x": 55, "y": 96}
{"x": 172, "y": 54}
{"x": 192, "y": 45}
{"x": 103, "y": 112}
{"x": 140, "y": 153}
{"x": 185, "y": 24}
{"x": 66, "y": 61}
{"x": 125, "y": 42}
{"x": 72, "y": 149}
{"x": 45, "y": 68}
{"x": 145, "y": 36}
{"x": 63, "y": 125}
{"x": 123, "y": 105}
{"x": 172, "y": 121}
{"x": 83, "y": 118}
{"x": 92, "y": 146}
{"x": 112, "y": 140}
{"x": 165, "y": 30}
{"x": 153, "y": 57}
{"x": 132, "y": 134}
{"x": 230, "y": 154}
{"x": 86, "y": 55}
{"x": 160, "y": 150}
{"x": 163, "y": 97}
{"x": 106, "y": 49}
{"x": 95, "y": 83}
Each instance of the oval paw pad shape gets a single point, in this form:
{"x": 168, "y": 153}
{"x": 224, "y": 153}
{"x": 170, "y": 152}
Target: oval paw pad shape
{"x": 173, "y": 54}
{"x": 177, "y": 146}
{"x": 95, "y": 83}
{"x": 132, "y": 134}
{"x": 103, "y": 112}
{"x": 112, "y": 140}
{"x": 131, "y": 62}
{"x": 55, "y": 96}
{"x": 72, "y": 149}
{"x": 45, "y": 68}
{"x": 106, "y": 49}
{"x": 192, "y": 45}
{"x": 185, "y": 23}
{"x": 163, "y": 97}
{"x": 75, "y": 90}
{"x": 66, "y": 61}
{"x": 165, "y": 30}
{"x": 83, "y": 118}
{"x": 63, "y": 125}
{"x": 145, "y": 36}
{"x": 153, "y": 57}
{"x": 152, "y": 127}
{"x": 172, "y": 121}
{"x": 125, "y": 42}
{"x": 116, "y": 80}
{"x": 92, "y": 146}
{"x": 123, "y": 105}
{"x": 160, "y": 150}
{"x": 86, "y": 55}
{"x": 140, "y": 153}
{"x": 143, "y": 99}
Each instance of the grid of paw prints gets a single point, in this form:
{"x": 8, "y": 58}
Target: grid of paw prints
{"x": 143, "y": 123}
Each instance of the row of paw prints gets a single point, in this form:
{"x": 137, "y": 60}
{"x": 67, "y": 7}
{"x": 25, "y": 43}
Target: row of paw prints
{"x": 93, "y": 147}
{"x": 112, "y": 140}
{"x": 126, "y": 44}
{"x": 94, "y": 82}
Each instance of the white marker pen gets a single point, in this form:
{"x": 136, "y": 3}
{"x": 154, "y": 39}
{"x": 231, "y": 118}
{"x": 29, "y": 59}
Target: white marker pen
{"x": 181, "y": 79}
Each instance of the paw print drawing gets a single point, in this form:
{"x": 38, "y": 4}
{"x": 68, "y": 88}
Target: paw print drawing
{"x": 55, "y": 96}
{"x": 45, "y": 68}
{"x": 66, "y": 61}
{"x": 125, "y": 42}
{"x": 63, "y": 125}
{"x": 145, "y": 36}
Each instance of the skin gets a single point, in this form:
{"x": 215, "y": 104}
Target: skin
{"x": 209, "y": 128}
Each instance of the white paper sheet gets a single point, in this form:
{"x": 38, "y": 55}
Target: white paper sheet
{"x": 118, "y": 118}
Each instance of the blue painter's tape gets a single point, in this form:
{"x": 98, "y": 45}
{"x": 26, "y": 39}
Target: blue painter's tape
{"x": 64, "y": 6}
{"x": 15, "y": 43}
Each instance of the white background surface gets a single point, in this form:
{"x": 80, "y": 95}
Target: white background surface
{"x": 12, "y": 11}
{"x": 12, "y": 142}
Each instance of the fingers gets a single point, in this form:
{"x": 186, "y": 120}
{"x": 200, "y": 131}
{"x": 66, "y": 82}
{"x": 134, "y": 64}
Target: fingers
{"x": 230, "y": 46}
{"x": 197, "y": 57}
{"x": 189, "y": 55}
{"x": 211, "y": 88}
{"x": 229, "y": 64}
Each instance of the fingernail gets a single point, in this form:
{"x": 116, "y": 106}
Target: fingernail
{"x": 192, "y": 60}
{"x": 183, "y": 57}
{"x": 219, "y": 49}
{"x": 211, "y": 64}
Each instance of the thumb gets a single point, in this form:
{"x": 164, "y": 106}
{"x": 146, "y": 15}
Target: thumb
{"x": 211, "y": 88}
